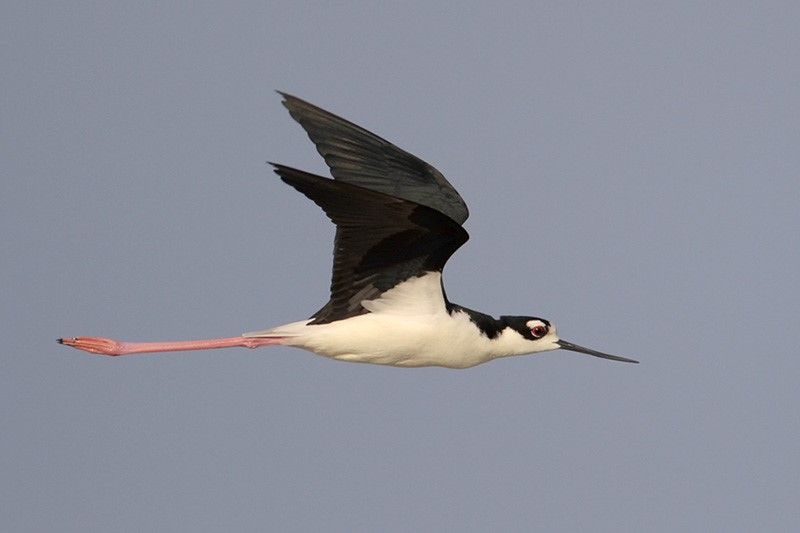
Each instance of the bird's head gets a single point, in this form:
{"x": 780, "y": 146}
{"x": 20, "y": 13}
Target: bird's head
{"x": 539, "y": 335}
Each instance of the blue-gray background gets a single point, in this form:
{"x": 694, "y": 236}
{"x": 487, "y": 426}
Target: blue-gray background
{"x": 632, "y": 174}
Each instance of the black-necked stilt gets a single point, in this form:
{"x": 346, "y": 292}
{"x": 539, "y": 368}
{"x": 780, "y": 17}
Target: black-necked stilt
{"x": 398, "y": 220}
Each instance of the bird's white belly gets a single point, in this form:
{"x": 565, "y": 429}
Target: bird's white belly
{"x": 407, "y": 325}
{"x": 411, "y": 341}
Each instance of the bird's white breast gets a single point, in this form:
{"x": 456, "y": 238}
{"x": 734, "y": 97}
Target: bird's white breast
{"x": 408, "y": 325}
{"x": 399, "y": 340}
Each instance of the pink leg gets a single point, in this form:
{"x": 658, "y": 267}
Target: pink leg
{"x": 104, "y": 346}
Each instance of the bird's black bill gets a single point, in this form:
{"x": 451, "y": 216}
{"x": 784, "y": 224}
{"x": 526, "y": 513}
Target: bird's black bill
{"x": 575, "y": 348}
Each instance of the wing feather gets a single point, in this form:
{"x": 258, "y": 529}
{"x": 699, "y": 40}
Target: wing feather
{"x": 359, "y": 157}
{"x": 381, "y": 240}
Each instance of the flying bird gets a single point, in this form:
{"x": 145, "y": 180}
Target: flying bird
{"x": 398, "y": 221}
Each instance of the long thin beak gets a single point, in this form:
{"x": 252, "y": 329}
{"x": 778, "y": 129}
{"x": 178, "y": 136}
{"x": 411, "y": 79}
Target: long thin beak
{"x": 575, "y": 348}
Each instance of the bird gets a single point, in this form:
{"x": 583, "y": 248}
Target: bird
{"x": 398, "y": 220}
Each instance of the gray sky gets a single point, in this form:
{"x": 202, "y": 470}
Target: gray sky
{"x": 632, "y": 174}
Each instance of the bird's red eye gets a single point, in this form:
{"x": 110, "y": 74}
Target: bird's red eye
{"x": 539, "y": 331}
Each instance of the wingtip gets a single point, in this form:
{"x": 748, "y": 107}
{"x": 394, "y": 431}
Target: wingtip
{"x": 282, "y": 171}
{"x": 294, "y": 104}
{"x": 276, "y": 167}
{"x": 287, "y": 98}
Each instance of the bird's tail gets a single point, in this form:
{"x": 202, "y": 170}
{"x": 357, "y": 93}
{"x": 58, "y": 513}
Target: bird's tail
{"x": 294, "y": 329}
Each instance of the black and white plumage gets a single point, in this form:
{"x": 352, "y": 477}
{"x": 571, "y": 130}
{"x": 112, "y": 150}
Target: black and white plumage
{"x": 380, "y": 240}
{"x": 398, "y": 221}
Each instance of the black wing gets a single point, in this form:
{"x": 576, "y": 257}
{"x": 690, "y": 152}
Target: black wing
{"x": 380, "y": 240}
{"x": 361, "y": 158}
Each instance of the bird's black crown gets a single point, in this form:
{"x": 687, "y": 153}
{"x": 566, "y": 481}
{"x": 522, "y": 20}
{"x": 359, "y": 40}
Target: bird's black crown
{"x": 492, "y": 327}
{"x": 520, "y": 325}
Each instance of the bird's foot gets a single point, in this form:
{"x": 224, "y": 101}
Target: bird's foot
{"x": 97, "y": 345}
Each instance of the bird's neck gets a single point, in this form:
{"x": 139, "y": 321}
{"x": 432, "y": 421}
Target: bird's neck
{"x": 488, "y": 325}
